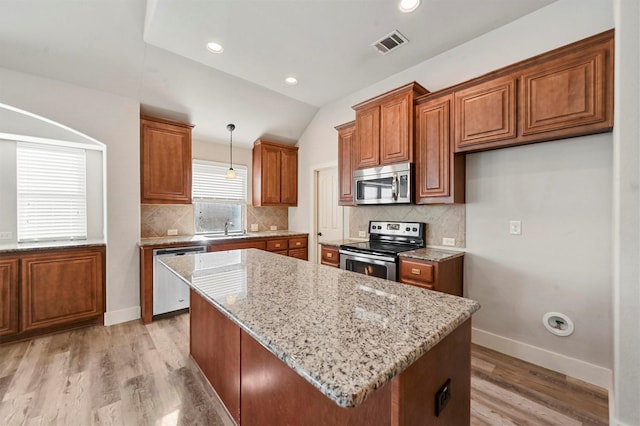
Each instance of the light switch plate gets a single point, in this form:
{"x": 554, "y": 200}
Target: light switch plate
{"x": 254, "y": 227}
{"x": 448, "y": 241}
{"x": 515, "y": 227}
{"x": 273, "y": 228}
{"x": 5, "y": 235}
{"x": 172, "y": 232}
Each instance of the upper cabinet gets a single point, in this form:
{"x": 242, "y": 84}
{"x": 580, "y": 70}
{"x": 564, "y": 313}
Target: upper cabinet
{"x": 563, "y": 93}
{"x": 346, "y": 138}
{"x": 165, "y": 161}
{"x": 384, "y": 127}
{"x": 440, "y": 174}
{"x": 275, "y": 174}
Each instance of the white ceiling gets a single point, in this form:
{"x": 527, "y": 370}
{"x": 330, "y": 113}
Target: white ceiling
{"x": 154, "y": 51}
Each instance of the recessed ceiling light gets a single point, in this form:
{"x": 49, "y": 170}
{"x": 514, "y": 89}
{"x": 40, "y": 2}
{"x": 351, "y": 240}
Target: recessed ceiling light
{"x": 215, "y": 47}
{"x": 291, "y": 81}
{"x": 408, "y": 6}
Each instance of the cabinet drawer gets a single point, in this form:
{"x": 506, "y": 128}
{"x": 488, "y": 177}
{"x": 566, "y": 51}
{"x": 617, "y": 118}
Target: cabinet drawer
{"x": 282, "y": 252}
{"x": 277, "y": 245}
{"x": 418, "y": 273}
{"x": 297, "y": 243}
{"x": 330, "y": 256}
{"x": 299, "y": 253}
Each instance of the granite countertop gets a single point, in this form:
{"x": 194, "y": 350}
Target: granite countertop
{"x": 433, "y": 255}
{"x": 338, "y": 243}
{"x": 345, "y": 333}
{"x": 48, "y": 245}
{"x": 180, "y": 239}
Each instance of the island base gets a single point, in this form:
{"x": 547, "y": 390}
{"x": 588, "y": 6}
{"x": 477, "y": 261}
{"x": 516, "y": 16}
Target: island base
{"x": 259, "y": 389}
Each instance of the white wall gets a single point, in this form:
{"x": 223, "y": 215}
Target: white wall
{"x": 113, "y": 121}
{"x": 546, "y": 29}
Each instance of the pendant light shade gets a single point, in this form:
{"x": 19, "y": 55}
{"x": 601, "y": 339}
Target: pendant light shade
{"x": 231, "y": 174}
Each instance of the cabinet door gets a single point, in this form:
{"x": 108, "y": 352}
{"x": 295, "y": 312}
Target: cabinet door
{"x": 485, "y": 114}
{"x": 345, "y": 165}
{"x": 367, "y": 149}
{"x": 395, "y": 130}
{"x": 289, "y": 177}
{"x": 165, "y": 163}
{"x": 567, "y": 96}
{"x": 329, "y": 256}
{"x": 270, "y": 180}
{"x": 8, "y": 296}
{"x": 299, "y": 253}
{"x": 61, "y": 288}
{"x": 418, "y": 272}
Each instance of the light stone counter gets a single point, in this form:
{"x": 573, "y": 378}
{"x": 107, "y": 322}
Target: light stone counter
{"x": 201, "y": 239}
{"x": 433, "y": 255}
{"x": 345, "y": 333}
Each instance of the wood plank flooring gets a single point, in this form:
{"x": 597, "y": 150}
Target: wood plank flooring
{"x": 131, "y": 374}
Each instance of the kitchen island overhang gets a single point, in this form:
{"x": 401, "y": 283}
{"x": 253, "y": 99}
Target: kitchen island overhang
{"x": 345, "y": 334}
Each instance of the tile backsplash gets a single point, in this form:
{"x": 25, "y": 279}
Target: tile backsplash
{"x": 443, "y": 221}
{"x": 156, "y": 219}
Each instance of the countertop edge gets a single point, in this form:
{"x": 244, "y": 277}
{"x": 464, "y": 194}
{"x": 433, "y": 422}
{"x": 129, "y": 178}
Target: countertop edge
{"x": 197, "y": 239}
{"x": 49, "y": 245}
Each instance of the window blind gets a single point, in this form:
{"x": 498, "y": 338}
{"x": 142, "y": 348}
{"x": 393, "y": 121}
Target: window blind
{"x": 209, "y": 182}
{"x": 51, "y": 193}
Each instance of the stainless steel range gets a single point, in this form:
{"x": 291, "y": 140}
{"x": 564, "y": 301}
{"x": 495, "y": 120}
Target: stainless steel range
{"x": 379, "y": 256}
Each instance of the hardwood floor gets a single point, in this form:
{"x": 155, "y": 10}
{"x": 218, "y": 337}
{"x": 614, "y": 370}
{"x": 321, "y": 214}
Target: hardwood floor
{"x": 131, "y": 374}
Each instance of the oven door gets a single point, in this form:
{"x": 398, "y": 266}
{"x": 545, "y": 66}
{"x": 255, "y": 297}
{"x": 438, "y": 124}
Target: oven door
{"x": 369, "y": 264}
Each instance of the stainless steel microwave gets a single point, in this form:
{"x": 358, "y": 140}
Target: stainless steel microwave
{"x": 383, "y": 185}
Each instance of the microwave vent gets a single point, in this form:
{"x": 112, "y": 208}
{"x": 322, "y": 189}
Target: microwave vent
{"x": 390, "y": 42}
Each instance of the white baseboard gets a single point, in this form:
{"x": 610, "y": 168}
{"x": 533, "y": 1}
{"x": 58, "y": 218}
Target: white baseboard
{"x": 121, "y": 315}
{"x": 576, "y": 368}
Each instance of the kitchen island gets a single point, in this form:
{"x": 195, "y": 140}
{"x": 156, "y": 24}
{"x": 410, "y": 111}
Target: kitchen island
{"x": 285, "y": 341}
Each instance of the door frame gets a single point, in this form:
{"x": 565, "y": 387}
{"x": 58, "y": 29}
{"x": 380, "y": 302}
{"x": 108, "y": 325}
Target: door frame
{"x": 314, "y": 252}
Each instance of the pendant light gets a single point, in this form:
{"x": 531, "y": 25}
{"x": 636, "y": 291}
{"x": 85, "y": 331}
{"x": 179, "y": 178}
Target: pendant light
{"x": 231, "y": 174}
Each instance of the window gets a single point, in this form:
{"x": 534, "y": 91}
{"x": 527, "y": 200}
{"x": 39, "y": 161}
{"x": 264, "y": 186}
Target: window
{"x": 218, "y": 200}
{"x": 51, "y": 193}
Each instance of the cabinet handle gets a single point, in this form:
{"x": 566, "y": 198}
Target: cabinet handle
{"x": 298, "y": 243}
{"x": 415, "y": 271}
{"x": 329, "y": 255}
{"x": 277, "y": 245}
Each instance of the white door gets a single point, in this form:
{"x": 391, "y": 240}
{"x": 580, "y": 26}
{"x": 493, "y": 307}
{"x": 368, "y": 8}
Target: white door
{"x": 329, "y": 213}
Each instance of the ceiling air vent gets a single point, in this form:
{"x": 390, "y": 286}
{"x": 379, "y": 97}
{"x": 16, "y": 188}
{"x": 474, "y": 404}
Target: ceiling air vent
{"x": 389, "y": 42}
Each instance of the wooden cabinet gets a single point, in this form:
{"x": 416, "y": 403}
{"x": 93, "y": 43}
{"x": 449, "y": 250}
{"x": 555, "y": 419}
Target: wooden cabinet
{"x": 330, "y": 255}
{"x": 485, "y": 113}
{"x": 8, "y": 296}
{"x": 563, "y": 93}
{"x": 298, "y": 248}
{"x": 440, "y": 175}
{"x": 278, "y": 245}
{"x": 62, "y": 287}
{"x": 384, "y": 127}
{"x": 444, "y": 276}
{"x": 346, "y": 136}
{"x": 569, "y": 94}
{"x": 275, "y": 174}
{"x": 165, "y": 161}
{"x": 237, "y": 245}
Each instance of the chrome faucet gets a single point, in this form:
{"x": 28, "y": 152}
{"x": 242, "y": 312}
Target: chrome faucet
{"x": 226, "y": 226}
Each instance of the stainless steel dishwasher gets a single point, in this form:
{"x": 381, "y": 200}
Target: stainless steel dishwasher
{"x": 170, "y": 293}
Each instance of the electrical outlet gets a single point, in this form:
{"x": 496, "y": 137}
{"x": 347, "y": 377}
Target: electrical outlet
{"x": 448, "y": 241}
{"x": 5, "y": 235}
{"x": 254, "y": 227}
{"x": 515, "y": 227}
{"x": 362, "y": 234}
{"x": 273, "y": 228}
{"x": 172, "y": 232}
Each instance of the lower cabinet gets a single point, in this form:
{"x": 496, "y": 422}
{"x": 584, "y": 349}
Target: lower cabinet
{"x": 51, "y": 290}
{"x": 8, "y": 296}
{"x": 444, "y": 276}
{"x": 329, "y": 256}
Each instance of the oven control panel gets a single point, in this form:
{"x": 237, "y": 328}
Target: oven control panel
{"x": 405, "y": 229}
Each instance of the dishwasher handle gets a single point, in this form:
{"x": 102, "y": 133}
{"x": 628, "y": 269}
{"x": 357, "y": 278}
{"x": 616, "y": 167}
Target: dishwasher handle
{"x": 180, "y": 251}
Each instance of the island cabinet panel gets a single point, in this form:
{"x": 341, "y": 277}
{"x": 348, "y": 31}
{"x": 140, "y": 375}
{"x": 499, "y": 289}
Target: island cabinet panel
{"x": 275, "y": 174}
{"x": 61, "y": 288}
{"x": 215, "y": 347}
{"x": 273, "y": 394}
{"x": 330, "y": 256}
{"x": 440, "y": 174}
{"x": 8, "y": 296}
{"x": 346, "y": 135}
{"x": 165, "y": 156}
{"x": 485, "y": 114}
{"x": 445, "y": 276}
{"x": 570, "y": 92}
